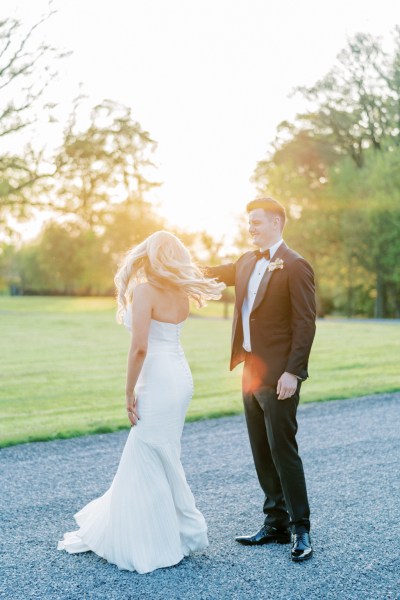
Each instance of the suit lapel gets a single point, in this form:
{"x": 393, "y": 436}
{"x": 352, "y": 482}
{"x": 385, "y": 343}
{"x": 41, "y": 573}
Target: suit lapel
{"x": 243, "y": 279}
{"x": 264, "y": 283}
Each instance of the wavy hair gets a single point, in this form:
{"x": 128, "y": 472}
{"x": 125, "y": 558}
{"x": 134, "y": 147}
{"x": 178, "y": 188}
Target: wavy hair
{"x": 162, "y": 260}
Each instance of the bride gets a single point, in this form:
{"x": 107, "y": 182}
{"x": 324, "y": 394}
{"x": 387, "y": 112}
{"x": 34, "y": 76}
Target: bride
{"x": 147, "y": 519}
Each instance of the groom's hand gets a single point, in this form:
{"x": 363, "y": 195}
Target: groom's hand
{"x": 287, "y": 386}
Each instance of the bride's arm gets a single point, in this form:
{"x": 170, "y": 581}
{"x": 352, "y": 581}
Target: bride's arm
{"x": 141, "y": 318}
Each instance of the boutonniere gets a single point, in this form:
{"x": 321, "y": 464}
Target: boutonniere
{"x": 276, "y": 264}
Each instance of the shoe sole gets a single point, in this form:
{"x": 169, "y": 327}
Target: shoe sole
{"x": 276, "y": 540}
{"x": 301, "y": 558}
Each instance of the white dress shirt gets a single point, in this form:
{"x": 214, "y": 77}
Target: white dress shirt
{"x": 252, "y": 288}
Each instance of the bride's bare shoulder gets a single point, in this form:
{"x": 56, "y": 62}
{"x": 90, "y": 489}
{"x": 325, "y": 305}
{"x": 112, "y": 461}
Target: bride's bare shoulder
{"x": 143, "y": 288}
{"x": 143, "y": 292}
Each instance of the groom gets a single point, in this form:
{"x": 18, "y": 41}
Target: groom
{"x": 273, "y": 331}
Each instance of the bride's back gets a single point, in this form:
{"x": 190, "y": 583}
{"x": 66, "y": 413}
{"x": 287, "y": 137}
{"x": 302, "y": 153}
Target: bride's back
{"x": 169, "y": 305}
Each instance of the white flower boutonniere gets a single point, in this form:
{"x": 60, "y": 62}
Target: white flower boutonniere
{"x": 276, "y": 264}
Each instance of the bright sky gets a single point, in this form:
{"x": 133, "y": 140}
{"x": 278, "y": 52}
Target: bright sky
{"x": 209, "y": 79}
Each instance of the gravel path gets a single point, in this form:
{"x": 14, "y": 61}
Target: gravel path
{"x": 351, "y": 452}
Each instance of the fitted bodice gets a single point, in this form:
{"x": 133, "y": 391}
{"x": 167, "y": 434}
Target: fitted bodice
{"x": 162, "y": 335}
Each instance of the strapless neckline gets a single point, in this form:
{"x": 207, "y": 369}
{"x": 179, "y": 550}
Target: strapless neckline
{"x": 168, "y": 322}
{"x": 128, "y": 321}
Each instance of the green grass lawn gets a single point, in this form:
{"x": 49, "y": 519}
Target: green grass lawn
{"x": 63, "y": 365}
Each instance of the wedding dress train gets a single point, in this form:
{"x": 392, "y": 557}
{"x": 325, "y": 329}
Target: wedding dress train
{"x": 147, "y": 519}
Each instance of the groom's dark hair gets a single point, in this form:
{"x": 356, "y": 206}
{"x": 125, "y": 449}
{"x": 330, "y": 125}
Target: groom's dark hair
{"x": 271, "y": 206}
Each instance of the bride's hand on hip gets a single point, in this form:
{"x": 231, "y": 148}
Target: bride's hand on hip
{"x": 132, "y": 409}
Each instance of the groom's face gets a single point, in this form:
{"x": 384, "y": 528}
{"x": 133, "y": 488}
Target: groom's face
{"x": 264, "y": 228}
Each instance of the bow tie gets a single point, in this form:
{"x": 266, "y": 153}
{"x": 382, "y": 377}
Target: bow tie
{"x": 265, "y": 254}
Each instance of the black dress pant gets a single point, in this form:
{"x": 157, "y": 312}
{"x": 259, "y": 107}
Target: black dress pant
{"x": 272, "y": 428}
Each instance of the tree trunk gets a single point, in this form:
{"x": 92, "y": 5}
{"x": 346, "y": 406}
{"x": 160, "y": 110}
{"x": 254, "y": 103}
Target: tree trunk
{"x": 350, "y": 290}
{"x": 394, "y": 300}
{"x": 380, "y": 302}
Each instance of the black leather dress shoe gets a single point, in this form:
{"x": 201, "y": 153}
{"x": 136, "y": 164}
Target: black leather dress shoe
{"x": 266, "y": 535}
{"x": 301, "y": 547}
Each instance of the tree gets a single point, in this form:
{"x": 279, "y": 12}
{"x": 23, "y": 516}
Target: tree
{"x": 105, "y": 162}
{"x": 370, "y": 217}
{"x": 25, "y": 73}
{"x": 357, "y": 104}
{"x": 71, "y": 259}
{"x": 65, "y": 259}
{"x": 127, "y": 224}
{"x": 336, "y": 171}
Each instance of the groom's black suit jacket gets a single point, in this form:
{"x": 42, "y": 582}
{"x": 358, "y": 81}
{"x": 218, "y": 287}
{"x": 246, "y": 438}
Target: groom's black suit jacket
{"x": 282, "y": 320}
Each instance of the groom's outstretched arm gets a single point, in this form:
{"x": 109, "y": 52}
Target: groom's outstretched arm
{"x": 224, "y": 273}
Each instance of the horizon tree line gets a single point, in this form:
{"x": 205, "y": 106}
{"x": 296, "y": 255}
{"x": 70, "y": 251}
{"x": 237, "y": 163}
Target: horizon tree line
{"x": 335, "y": 168}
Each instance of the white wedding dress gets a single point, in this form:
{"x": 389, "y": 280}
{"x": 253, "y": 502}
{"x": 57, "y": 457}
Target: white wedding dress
{"x": 147, "y": 519}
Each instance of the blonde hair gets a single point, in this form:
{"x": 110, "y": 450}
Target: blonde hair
{"x": 162, "y": 260}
